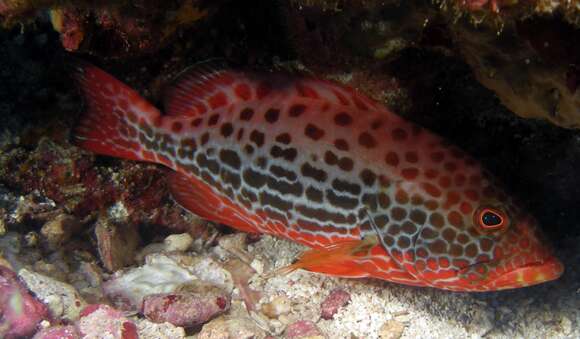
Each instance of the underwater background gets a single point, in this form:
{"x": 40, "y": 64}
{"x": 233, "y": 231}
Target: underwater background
{"x": 499, "y": 79}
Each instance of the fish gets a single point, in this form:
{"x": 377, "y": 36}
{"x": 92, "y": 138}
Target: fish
{"x": 319, "y": 163}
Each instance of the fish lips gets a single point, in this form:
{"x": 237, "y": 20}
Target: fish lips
{"x": 530, "y": 274}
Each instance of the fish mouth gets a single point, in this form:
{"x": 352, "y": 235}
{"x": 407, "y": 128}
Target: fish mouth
{"x": 530, "y": 274}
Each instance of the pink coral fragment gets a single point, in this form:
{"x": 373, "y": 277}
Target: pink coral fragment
{"x": 333, "y": 302}
{"x": 302, "y": 329}
{"x": 184, "y": 309}
{"x": 20, "y": 312}
{"x": 58, "y": 332}
{"x": 107, "y": 322}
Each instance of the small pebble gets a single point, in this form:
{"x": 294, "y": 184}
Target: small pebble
{"x": 258, "y": 266}
{"x": 58, "y": 230}
{"x": 2, "y": 226}
{"x": 392, "y": 329}
{"x": 302, "y": 329}
{"x": 92, "y": 273}
{"x": 151, "y": 330}
{"x": 178, "y": 242}
{"x": 31, "y": 239}
{"x": 566, "y": 325}
{"x": 62, "y": 299}
{"x": 226, "y": 327}
{"x": 333, "y": 302}
{"x": 278, "y": 306}
{"x": 236, "y": 245}
{"x": 117, "y": 243}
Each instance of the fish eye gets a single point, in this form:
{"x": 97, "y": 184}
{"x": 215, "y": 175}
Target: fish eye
{"x": 490, "y": 218}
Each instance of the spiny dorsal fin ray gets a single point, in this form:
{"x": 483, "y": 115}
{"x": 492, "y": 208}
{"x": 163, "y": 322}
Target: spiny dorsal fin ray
{"x": 192, "y": 88}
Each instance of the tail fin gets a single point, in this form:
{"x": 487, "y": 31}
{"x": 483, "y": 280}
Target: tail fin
{"x": 115, "y": 114}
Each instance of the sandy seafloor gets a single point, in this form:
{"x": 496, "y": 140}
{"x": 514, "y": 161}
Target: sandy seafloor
{"x": 548, "y": 311}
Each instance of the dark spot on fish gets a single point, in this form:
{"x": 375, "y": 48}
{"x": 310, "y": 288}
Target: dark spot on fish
{"x": 196, "y": 122}
{"x": 330, "y": 158}
{"x": 343, "y": 119}
{"x": 341, "y": 144}
{"x": 230, "y": 158}
{"x": 257, "y": 137}
{"x": 346, "y": 164}
{"x": 249, "y": 149}
{"x": 367, "y": 140}
{"x": 246, "y": 114}
{"x": 345, "y": 186}
{"x": 253, "y": 178}
{"x": 313, "y": 132}
{"x": 313, "y": 172}
{"x": 240, "y": 134}
{"x": 284, "y": 138}
{"x": 204, "y": 138}
{"x": 368, "y": 177}
{"x": 227, "y": 129}
{"x": 314, "y": 194}
{"x": 272, "y": 115}
{"x": 213, "y": 120}
{"x": 296, "y": 110}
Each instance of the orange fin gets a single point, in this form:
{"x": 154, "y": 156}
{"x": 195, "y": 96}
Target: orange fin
{"x": 199, "y": 198}
{"x": 341, "y": 259}
{"x": 104, "y": 127}
{"x": 353, "y": 259}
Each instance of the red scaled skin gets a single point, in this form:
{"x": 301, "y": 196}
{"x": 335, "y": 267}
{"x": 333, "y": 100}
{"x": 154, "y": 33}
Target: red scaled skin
{"x": 317, "y": 163}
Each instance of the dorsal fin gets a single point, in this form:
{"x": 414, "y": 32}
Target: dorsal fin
{"x": 208, "y": 86}
{"x": 196, "y": 89}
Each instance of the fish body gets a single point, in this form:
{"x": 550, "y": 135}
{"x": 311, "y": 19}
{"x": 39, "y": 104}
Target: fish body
{"x": 316, "y": 162}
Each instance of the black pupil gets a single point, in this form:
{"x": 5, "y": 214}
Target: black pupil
{"x": 490, "y": 219}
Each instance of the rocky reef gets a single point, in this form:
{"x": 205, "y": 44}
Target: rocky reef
{"x": 92, "y": 246}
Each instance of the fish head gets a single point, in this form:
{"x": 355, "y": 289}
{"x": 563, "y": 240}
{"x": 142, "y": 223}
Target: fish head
{"x": 485, "y": 241}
